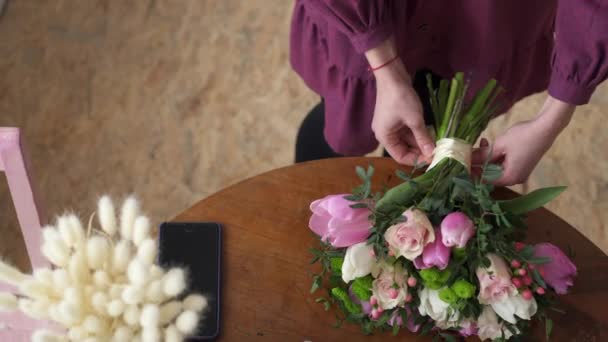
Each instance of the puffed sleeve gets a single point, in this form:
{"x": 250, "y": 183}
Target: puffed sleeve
{"x": 366, "y": 23}
{"x": 580, "y": 56}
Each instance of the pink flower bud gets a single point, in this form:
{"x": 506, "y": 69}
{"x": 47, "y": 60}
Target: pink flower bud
{"x": 375, "y": 314}
{"x": 379, "y": 310}
{"x": 391, "y": 253}
{"x": 515, "y": 263}
{"x": 457, "y": 229}
{"x": 411, "y": 282}
{"x": 408, "y": 298}
{"x": 519, "y": 246}
{"x": 527, "y": 294}
{"x": 516, "y": 281}
{"x": 527, "y": 280}
{"x": 522, "y": 272}
{"x": 540, "y": 291}
{"x": 373, "y": 301}
{"x": 531, "y": 267}
{"x": 393, "y": 293}
{"x": 372, "y": 253}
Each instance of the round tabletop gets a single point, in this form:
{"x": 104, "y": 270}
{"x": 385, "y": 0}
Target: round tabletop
{"x": 266, "y": 259}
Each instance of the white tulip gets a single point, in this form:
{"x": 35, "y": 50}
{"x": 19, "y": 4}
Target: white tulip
{"x": 358, "y": 262}
{"x": 489, "y": 327}
{"x": 515, "y": 306}
{"x": 431, "y": 305}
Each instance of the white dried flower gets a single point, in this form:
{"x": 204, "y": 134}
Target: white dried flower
{"x": 66, "y": 232}
{"x": 174, "y": 282}
{"x": 150, "y": 316}
{"x": 96, "y": 325}
{"x": 77, "y": 333}
{"x": 115, "y": 308}
{"x": 154, "y": 292}
{"x": 10, "y": 274}
{"x": 132, "y": 295}
{"x": 150, "y": 334}
{"x": 69, "y": 313}
{"x": 8, "y": 302}
{"x": 47, "y": 336}
{"x": 121, "y": 256}
{"x": 156, "y": 272}
{"x": 32, "y": 309}
{"x": 147, "y": 251}
{"x": 122, "y": 334}
{"x": 187, "y": 321}
{"x": 44, "y": 276}
{"x": 98, "y": 250}
{"x": 107, "y": 215}
{"x": 101, "y": 279}
{"x": 99, "y": 301}
{"x": 173, "y": 335}
{"x": 61, "y": 278}
{"x": 131, "y": 315}
{"x": 128, "y": 214}
{"x": 54, "y": 251}
{"x": 195, "y": 302}
{"x": 136, "y": 272}
{"x": 141, "y": 230}
{"x": 33, "y": 288}
{"x": 76, "y": 229}
{"x": 169, "y": 311}
{"x": 77, "y": 268}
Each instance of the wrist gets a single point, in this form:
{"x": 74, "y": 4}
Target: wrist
{"x": 386, "y": 65}
{"x": 555, "y": 115}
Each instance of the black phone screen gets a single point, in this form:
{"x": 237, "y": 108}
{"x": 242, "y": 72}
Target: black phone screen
{"x": 196, "y": 246}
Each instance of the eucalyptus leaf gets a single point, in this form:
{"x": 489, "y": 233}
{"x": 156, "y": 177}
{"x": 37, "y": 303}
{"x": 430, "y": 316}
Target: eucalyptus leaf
{"x": 358, "y": 205}
{"x": 491, "y": 172}
{"x": 533, "y": 200}
{"x": 465, "y": 184}
{"x": 548, "y": 328}
{"x": 538, "y": 278}
{"x": 361, "y": 173}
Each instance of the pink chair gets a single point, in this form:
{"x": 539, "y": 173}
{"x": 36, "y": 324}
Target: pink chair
{"x": 15, "y": 326}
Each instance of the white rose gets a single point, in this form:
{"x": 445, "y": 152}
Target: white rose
{"x": 389, "y": 288}
{"x": 515, "y": 306}
{"x": 358, "y": 262}
{"x": 488, "y": 326}
{"x": 431, "y": 305}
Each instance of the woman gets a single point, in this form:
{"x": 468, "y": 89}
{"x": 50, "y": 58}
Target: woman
{"x": 527, "y": 45}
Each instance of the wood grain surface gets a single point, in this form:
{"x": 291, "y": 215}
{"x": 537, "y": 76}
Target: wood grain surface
{"x": 266, "y": 270}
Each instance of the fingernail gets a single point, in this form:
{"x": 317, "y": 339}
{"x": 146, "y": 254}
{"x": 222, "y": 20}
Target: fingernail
{"x": 428, "y": 149}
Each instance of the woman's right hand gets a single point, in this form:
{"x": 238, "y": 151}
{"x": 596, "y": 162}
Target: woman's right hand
{"x": 398, "y": 121}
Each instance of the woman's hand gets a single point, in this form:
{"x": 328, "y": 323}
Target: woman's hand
{"x": 522, "y": 146}
{"x": 398, "y": 121}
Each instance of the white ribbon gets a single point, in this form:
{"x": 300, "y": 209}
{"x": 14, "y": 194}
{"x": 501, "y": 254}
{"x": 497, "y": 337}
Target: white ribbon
{"x": 457, "y": 149}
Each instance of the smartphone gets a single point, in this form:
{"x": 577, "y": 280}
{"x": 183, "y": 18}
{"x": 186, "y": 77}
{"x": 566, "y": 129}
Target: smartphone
{"x": 196, "y": 246}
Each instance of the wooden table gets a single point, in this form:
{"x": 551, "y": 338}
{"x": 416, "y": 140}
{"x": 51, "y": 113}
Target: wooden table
{"x": 266, "y": 259}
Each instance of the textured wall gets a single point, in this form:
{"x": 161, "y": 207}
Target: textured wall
{"x": 173, "y": 100}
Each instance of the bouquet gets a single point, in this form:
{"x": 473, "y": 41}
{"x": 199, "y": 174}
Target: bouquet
{"x": 105, "y": 284}
{"x": 437, "y": 254}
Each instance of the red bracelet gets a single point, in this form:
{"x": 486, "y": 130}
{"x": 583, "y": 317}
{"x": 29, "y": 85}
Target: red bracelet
{"x": 372, "y": 69}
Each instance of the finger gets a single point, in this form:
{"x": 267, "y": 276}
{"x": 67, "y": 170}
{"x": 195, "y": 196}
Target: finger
{"x": 423, "y": 138}
{"x": 394, "y": 146}
{"x": 409, "y": 139}
{"x": 482, "y": 153}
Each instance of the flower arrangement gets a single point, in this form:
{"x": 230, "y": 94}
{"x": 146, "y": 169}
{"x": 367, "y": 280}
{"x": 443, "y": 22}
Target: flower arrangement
{"x": 437, "y": 254}
{"x": 104, "y": 284}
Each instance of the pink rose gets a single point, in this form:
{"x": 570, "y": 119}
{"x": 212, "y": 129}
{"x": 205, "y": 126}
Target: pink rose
{"x": 337, "y": 223}
{"x": 559, "y": 273}
{"x": 495, "y": 282}
{"x": 457, "y": 229}
{"x": 389, "y": 288}
{"x": 434, "y": 254}
{"x": 409, "y": 238}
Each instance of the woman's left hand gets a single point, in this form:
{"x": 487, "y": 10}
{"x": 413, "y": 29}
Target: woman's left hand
{"x": 522, "y": 146}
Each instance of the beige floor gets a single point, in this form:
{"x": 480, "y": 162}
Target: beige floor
{"x": 173, "y": 100}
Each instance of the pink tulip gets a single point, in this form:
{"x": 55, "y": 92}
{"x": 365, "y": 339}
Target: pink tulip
{"x": 396, "y": 319}
{"x": 366, "y": 306}
{"x": 434, "y": 254}
{"x": 559, "y": 273}
{"x": 337, "y": 223}
{"x": 468, "y": 328}
{"x": 457, "y": 229}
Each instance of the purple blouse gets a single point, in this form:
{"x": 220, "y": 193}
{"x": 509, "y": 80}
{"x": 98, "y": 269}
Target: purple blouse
{"x": 527, "y": 45}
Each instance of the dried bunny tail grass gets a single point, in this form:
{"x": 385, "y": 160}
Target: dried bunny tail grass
{"x": 173, "y": 335}
{"x": 96, "y": 325}
{"x": 169, "y": 311}
{"x": 56, "y": 256}
{"x": 44, "y": 276}
{"x": 47, "y": 336}
{"x": 141, "y": 230}
{"x": 174, "y": 282}
{"x": 33, "y": 309}
{"x": 69, "y": 313}
{"x": 122, "y": 334}
{"x": 150, "y": 316}
{"x": 129, "y": 211}
{"x": 186, "y": 322}
{"x": 156, "y": 272}
{"x": 132, "y": 295}
{"x": 8, "y": 302}
{"x": 107, "y": 215}
{"x": 76, "y": 229}
{"x": 195, "y": 302}
{"x": 131, "y": 315}
{"x": 98, "y": 252}
{"x": 121, "y": 256}
{"x": 151, "y": 334}
{"x": 33, "y": 288}
{"x": 136, "y": 272}
{"x": 99, "y": 302}
{"x": 61, "y": 278}
{"x": 154, "y": 292}
{"x": 77, "y": 333}
{"x": 101, "y": 279}
{"x": 10, "y": 275}
{"x": 147, "y": 251}
{"x": 115, "y": 308}
{"x": 77, "y": 268}
{"x": 66, "y": 232}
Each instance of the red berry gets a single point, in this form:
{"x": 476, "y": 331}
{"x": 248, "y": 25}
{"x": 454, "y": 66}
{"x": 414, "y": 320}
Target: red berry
{"x": 516, "y": 281}
{"x": 522, "y": 272}
{"x": 515, "y": 263}
{"x": 540, "y": 291}
{"x": 527, "y": 294}
{"x": 408, "y": 298}
{"x": 411, "y": 281}
{"x": 527, "y": 280}
{"x": 519, "y": 246}
{"x": 531, "y": 266}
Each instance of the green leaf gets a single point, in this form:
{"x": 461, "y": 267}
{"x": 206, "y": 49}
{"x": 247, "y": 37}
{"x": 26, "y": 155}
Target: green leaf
{"x": 361, "y": 173}
{"x": 403, "y": 175}
{"x": 465, "y": 184}
{"x": 539, "y": 280}
{"x": 548, "y": 328}
{"x": 527, "y": 252}
{"x": 491, "y": 172}
{"x": 395, "y": 329}
{"x": 447, "y": 337}
{"x": 426, "y": 328}
{"x": 359, "y": 205}
{"x": 315, "y": 259}
{"x": 370, "y": 171}
{"x": 532, "y": 200}
{"x": 486, "y": 227}
{"x": 316, "y": 283}
{"x": 539, "y": 260}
